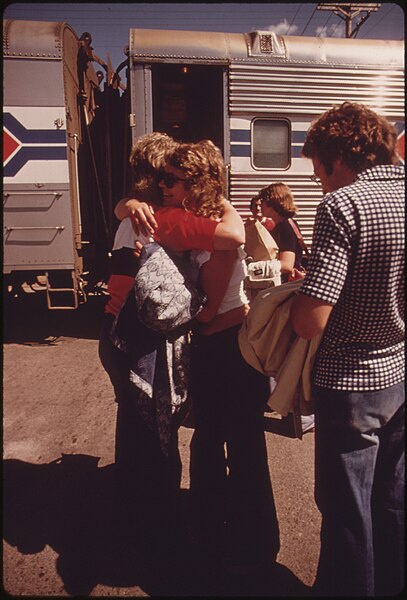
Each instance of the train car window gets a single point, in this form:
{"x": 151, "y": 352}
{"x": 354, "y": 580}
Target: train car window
{"x": 270, "y": 143}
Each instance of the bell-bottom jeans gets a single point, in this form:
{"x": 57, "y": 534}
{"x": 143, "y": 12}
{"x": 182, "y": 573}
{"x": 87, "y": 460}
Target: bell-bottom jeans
{"x": 229, "y": 475}
{"x": 359, "y": 490}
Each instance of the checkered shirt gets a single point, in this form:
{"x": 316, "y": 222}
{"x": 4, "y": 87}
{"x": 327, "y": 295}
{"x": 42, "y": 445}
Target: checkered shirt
{"x": 357, "y": 265}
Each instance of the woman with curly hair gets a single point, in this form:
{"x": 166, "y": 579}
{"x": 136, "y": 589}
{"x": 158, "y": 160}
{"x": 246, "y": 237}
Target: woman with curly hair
{"x": 233, "y": 505}
{"x": 277, "y": 202}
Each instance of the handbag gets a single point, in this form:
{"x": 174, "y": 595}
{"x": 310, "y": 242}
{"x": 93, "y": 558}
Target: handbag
{"x": 165, "y": 292}
{"x": 302, "y": 243}
{"x": 260, "y": 244}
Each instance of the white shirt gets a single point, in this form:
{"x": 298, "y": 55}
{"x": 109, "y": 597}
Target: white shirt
{"x": 126, "y": 236}
{"x": 235, "y": 295}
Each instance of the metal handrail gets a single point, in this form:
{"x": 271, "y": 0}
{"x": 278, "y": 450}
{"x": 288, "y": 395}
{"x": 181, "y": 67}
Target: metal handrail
{"x": 57, "y": 227}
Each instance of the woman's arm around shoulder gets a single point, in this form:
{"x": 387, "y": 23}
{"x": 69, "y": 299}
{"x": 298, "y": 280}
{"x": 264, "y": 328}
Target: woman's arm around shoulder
{"x": 142, "y": 215}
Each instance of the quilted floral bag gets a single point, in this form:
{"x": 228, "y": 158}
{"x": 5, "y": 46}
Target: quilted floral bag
{"x": 166, "y": 290}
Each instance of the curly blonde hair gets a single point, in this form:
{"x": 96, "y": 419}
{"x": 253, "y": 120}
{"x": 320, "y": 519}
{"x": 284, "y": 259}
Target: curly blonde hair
{"x": 353, "y": 133}
{"x": 205, "y": 173}
{"x": 279, "y": 197}
{"x": 147, "y": 157}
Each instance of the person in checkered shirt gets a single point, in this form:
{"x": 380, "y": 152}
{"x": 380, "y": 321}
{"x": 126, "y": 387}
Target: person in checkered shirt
{"x": 354, "y": 292}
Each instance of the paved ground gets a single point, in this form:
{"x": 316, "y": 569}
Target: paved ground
{"x": 62, "y": 536}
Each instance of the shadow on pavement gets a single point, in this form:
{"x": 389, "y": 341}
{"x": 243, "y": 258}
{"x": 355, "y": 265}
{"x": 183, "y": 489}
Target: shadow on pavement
{"x": 27, "y": 320}
{"x": 73, "y": 506}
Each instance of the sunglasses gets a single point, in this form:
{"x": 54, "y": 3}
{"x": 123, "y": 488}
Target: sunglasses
{"x": 169, "y": 179}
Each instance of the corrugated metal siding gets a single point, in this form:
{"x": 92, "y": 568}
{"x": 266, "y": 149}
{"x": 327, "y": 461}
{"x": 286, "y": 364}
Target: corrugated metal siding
{"x": 303, "y": 92}
{"x": 310, "y": 90}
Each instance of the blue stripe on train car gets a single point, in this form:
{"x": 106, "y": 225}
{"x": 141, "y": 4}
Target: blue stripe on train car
{"x": 298, "y": 137}
{"x": 240, "y": 135}
{"x": 33, "y": 153}
{"x": 243, "y": 149}
{"x": 33, "y": 136}
{"x": 240, "y": 150}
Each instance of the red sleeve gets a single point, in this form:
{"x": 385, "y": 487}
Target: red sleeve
{"x": 118, "y": 287}
{"x": 181, "y": 230}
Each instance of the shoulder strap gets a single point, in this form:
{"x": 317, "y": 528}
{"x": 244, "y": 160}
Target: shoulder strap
{"x": 299, "y": 236}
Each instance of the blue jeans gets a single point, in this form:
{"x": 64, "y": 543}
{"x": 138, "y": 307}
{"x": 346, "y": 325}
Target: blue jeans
{"x": 359, "y": 490}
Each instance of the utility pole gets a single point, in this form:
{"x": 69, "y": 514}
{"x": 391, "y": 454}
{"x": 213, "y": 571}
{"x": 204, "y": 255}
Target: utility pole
{"x": 348, "y": 12}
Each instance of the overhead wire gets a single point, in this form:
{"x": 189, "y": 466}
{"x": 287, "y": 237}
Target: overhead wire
{"x": 380, "y": 20}
{"x": 327, "y": 21}
{"x": 294, "y": 17}
{"x": 309, "y": 20}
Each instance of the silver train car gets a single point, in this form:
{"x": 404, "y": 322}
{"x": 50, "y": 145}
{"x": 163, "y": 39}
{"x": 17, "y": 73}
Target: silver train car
{"x": 67, "y": 141}
{"x": 255, "y": 95}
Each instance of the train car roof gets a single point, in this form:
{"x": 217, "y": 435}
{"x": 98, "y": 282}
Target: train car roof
{"x": 34, "y": 39}
{"x": 150, "y": 45}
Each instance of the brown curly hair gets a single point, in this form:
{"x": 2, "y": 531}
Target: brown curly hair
{"x": 353, "y": 133}
{"x": 204, "y": 168}
{"x": 147, "y": 157}
{"x": 279, "y": 196}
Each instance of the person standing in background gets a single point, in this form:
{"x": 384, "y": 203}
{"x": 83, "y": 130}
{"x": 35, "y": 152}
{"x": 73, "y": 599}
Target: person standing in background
{"x": 277, "y": 202}
{"x": 255, "y": 209}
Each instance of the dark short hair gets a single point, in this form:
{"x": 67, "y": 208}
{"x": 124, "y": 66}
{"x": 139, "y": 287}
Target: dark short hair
{"x": 254, "y": 201}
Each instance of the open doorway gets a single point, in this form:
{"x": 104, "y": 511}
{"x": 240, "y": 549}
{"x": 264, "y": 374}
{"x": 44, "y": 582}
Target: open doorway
{"x": 188, "y": 102}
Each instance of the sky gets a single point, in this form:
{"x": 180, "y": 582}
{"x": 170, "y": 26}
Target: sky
{"x": 109, "y": 23}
